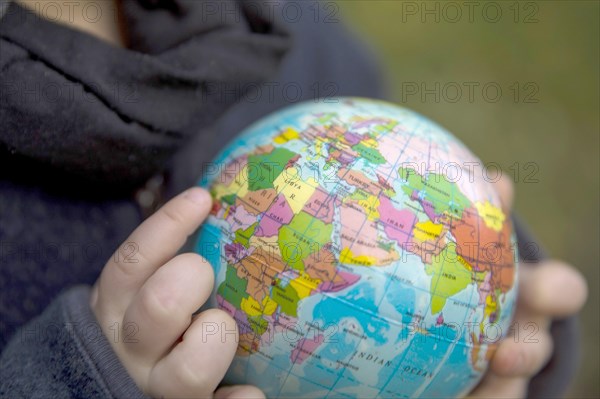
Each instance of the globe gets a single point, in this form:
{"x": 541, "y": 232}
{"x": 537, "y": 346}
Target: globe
{"x": 363, "y": 252}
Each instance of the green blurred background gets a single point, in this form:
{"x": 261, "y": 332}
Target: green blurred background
{"x": 544, "y": 56}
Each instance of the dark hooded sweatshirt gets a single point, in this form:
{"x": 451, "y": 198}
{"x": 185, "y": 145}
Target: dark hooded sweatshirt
{"x": 93, "y": 137}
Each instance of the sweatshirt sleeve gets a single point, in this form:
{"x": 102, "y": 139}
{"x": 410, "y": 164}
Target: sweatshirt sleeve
{"x": 63, "y": 354}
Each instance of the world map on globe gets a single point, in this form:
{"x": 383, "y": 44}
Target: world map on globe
{"x": 362, "y": 252}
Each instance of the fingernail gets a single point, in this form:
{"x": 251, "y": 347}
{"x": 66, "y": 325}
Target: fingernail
{"x": 198, "y": 195}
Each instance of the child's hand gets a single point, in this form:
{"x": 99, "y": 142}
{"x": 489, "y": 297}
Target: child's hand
{"x": 145, "y": 308}
{"x": 550, "y": 289}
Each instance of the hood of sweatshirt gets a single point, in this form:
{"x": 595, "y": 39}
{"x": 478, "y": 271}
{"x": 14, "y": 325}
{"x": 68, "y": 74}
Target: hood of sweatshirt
{"x": 112, "y": 116}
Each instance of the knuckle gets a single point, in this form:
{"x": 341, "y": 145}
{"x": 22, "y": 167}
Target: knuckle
{"x": 125, "y": 264}
{"x": 172, "y": 216}
{"x": 158, "y": 307}
{"x": 186, "y": 375}
{"x": 125, "y": 271}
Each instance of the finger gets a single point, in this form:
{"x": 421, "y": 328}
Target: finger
{"x": 525, "y": 352}
{"x": 553, "y": 288}
{"x": 198, "y": 363}
{"x": 505, "y": 188}
{"x": 239, "y": 392}
{"x": 150, "y": 246}
{"x": 493, "y": 386}
{"x": 162, "y": 310}
{"x": 525, "y": 314}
